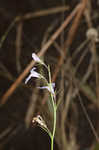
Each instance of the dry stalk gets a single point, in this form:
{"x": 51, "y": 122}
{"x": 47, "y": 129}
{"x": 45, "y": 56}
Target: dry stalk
{"x": 61, "y": 106}
{"x": 47, "y": 12}
{"x": 64, "y": 113}
{"x": 18, "y": 45}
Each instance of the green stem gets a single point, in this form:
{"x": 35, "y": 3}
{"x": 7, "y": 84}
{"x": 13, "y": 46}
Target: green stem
{"x": 54, "y": 111}
{"x": 52, "y": 140}
{"x": 54, "y": 127}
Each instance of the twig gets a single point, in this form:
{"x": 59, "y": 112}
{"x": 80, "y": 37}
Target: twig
{"x": 2, "y": 39}
{"x": 18, "y": 45}
{"x": 5, "y": 72}
{"x": 64, "y": 117}
{"x": 49, "y": 11}
{"x": 88, "y": 119}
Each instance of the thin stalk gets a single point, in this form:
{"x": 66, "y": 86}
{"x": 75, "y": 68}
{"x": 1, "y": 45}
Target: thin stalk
{"x": 54, "y": 111}
{"x": 54, "y": 124}
{"x": 54, "y": 128}
{"x": 52, "y": 143}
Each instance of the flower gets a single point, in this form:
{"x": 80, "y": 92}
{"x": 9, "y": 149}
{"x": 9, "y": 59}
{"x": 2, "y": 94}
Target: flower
{"x": 36, "y": 58}
{"x": 50, "y": 88}
{"x": 40, "y": 121}
{"x": 34, "y": 74}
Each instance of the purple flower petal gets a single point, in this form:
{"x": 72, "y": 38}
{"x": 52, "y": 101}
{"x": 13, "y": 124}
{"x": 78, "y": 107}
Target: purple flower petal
{"x": 50, "y": 88}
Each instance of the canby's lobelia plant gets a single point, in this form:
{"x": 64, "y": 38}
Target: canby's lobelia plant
{"x": 51, "y": 88}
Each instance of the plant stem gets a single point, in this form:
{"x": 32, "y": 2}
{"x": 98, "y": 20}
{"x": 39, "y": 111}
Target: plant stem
{"x": 54, "y": 127}
{"x": 54, "y": 111}
{"x": 52, "y": 141}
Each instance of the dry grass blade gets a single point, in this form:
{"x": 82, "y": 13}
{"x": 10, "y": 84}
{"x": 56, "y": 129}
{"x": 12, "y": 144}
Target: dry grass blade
{"x": 49, "y": 11}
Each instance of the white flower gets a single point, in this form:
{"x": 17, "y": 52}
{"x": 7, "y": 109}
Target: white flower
{"x": 36, "y": 58}
{"x": 34, "y": 74}
{"x": 50, "y": 88}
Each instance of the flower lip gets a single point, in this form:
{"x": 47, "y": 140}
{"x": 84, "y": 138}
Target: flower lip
{"x": 50, "y": 88}
{"x": 34, "y": 74}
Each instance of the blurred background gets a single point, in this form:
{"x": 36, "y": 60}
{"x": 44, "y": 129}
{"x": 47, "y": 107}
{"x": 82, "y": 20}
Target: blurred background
{"x": 27, "y": 26}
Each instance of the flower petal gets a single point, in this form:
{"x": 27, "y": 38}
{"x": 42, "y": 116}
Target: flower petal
{"x": 53, "y": 85}
{"x": 50, "y": 88}
{"x": 27, "y": 79}
{"x": 36, "y": 58}
{"x": 33, "y": 74}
